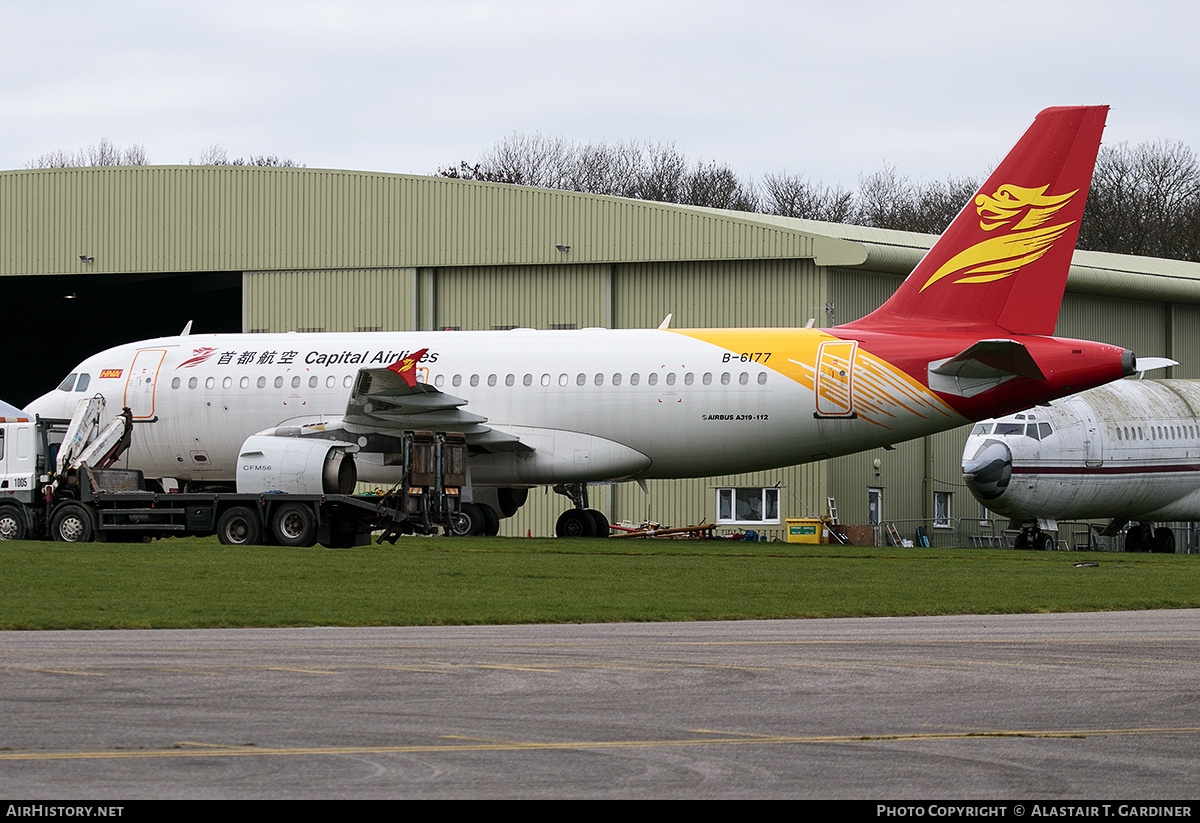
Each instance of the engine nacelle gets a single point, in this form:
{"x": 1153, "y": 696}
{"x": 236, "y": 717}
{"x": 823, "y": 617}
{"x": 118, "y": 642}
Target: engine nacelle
{"x": 296, "y": 465}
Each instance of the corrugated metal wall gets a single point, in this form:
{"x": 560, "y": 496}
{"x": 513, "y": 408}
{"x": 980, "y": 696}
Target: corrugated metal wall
{"x": 1185, "y": 341}
{"x": 197, "y": 218}
{"x": 340, "y": 300}
{"x": 535, "y": 297}
{"x": 1139, "y": 325}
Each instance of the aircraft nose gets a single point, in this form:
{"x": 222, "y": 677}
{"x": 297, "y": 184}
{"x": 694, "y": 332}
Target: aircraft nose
{"x": 987, "y": 473}
{"x": 50, "y": 404}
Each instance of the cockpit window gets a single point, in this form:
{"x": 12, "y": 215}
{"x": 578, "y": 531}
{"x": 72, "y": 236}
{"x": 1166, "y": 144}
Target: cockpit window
{"x": 1010, "y": 428}
{"x": 1031, "y": 430}
{"x": 68, "y": 383}
{"x": 1045, "y": 430}
{"x": 82, "y": 385}
{"x": 982, "y": 428}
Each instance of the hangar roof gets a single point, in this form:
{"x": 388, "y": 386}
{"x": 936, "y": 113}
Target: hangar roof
{"x": 242, "y": 218}
{"x": 1092, "y": 272}
{"x": 238, "y": 218}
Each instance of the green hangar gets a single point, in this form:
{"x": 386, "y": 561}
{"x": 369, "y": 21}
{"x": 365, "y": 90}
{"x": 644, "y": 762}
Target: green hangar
{"x": 93, "y": 257}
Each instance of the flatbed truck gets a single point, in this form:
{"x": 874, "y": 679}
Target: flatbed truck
{"x": 48, "y": 490}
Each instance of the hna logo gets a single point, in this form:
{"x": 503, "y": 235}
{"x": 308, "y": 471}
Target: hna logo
{"x": 1018, "y": 214}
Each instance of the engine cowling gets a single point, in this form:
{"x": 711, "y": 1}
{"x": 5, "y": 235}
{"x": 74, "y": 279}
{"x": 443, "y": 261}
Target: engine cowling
{"x": 296, "y": 465}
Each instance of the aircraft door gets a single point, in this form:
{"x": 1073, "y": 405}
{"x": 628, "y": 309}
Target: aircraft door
{"x": 143, "y": 376}
{"x": 1093, "y": 444}
{"x": 835, "y": 378}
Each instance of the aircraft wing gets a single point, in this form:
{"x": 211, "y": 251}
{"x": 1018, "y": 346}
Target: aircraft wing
{"x": 392, "y": 399}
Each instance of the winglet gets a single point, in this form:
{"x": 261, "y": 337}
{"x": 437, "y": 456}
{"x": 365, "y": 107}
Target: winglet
{"x": 406, "y": 367}
{"x": 1002, "y": 264}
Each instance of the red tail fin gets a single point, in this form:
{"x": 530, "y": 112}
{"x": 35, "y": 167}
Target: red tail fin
{"x": 1002, "y": 264}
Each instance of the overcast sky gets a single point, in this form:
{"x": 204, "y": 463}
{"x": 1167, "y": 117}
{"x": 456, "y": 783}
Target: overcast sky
{"x": 832, "y": 91}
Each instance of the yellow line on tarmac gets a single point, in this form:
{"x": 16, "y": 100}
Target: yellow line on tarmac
{"x": 254, "y": 751}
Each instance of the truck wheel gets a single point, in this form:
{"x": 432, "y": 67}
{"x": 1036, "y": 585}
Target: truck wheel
{"x": 294, "y": 524}
{"x": 469, "y": 521}
{"x": 12, "y": 523}
{"x": 491, "y": 520}
{"x": 72, "y": 523}
{"x": 343, "y": 533}
{"x": 239, "y": 526}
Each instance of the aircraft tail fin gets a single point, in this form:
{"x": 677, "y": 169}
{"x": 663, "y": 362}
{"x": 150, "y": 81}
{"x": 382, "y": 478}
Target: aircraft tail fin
{"x": 1003, "y": 262}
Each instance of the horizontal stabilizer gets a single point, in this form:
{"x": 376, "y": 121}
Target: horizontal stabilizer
{"x": 982, "y": 366}
{"x": 1144, "y": 364}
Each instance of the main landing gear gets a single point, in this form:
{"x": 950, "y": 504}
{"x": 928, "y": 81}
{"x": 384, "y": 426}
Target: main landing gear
{"x": 579, "y": 521}
{"x": 1145, "y": 538}
{"x": 1032, "y": 537}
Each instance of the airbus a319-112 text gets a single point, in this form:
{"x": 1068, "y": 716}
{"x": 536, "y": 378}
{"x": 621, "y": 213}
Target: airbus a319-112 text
{"x": 966, "y": 336}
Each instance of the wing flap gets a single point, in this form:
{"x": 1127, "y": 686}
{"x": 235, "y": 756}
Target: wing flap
{"x": 382, "y": 400}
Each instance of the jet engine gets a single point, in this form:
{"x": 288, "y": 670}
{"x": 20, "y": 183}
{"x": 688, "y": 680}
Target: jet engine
{"x": 296, "y": 465}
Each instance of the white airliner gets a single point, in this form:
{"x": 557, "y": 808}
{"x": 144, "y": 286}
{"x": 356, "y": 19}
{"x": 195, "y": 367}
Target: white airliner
{"x": 1128, "y": 451}
{"x": 966, "y": 336}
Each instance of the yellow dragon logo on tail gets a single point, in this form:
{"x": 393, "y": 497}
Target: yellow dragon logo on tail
{"x": 1001, "y": 256}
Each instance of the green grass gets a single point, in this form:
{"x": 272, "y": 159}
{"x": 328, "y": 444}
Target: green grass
{"x": 198, "y": 583}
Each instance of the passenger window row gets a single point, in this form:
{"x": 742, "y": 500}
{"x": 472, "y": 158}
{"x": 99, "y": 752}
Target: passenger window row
{"x": 599, "y": 379}
{"x": 510, "y": 380}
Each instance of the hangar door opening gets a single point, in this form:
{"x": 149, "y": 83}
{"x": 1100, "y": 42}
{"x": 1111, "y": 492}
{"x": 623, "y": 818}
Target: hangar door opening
{"x": 55, "y": 321}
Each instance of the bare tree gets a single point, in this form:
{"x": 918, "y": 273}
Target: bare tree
{"x": 103, "y": 153}
{"x": 719, "y": 187}
{"x": 215, "y": 155}
{"x": 791, "y": 195}
{"x": 1145, "y": 200}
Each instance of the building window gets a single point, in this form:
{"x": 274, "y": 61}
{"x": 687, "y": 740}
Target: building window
{"x": 941, "y": 510}
{"x": 748, "y": 507}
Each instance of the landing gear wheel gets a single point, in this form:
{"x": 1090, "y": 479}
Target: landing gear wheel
{"x": 1134, "y": 538}
{"x": 1164, "y": 540}
{"x": 239, "y": 526}
{"x": 72, "y": 523}
{"x": 600, "y": 520}
{"x": 575, "y": 523}
{"x": 294, "y": 524}
{"x": 12, "y": 523}
{"x": 468, "y": 522}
